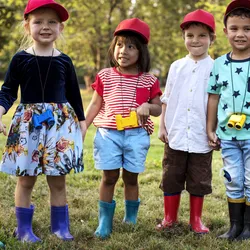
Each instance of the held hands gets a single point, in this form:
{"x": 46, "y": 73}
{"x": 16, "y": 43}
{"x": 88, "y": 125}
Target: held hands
{"x": 213, "y": 141}
{"x": 83, "y": 127}
{"x": 163, "y": 135}
{"x": 2, "y": 128}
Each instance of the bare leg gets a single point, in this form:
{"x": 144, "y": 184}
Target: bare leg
{"x": 107, "y": 187}
{"x": 23, "y": 191}
{"x": 57, "y": 188}
{"x": 131, "y": 188}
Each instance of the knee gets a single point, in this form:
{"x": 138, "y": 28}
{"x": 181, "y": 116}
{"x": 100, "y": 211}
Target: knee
{"x": 110, "y": 179}
{"x": 56, "y": 183}
{"x": 130, "y": 180}
{"x": 233, "y": 182}
{"x": 57, "y": 187}
{"x": 26, "y": 183}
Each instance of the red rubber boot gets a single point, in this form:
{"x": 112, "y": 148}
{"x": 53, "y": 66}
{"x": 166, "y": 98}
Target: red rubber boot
{"x": 196, "y": 204}
{"x": 171, "y": 207}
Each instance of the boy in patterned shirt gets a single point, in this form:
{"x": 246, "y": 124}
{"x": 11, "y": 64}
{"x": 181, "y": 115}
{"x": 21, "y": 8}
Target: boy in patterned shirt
{"x": 228, "y": 120}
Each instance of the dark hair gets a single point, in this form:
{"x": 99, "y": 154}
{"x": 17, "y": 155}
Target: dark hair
{"x": 241, "y": 12}
{"x": 187, "y": 26}
{"x": 144, "y": 57}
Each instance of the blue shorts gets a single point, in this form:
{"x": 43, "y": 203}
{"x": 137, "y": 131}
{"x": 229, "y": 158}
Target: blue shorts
{"x": 114, "y": 149}
{"x": 236, "y": 161}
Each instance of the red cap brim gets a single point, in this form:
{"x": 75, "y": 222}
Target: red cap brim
{"x": 236, "y": 4}
{"x": 60, "y": 10}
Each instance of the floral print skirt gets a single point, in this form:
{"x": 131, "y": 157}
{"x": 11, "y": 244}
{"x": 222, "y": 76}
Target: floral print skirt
{"x": 54, "y": 149}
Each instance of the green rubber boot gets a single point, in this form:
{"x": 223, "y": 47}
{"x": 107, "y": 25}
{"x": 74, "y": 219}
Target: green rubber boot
{"x": 131, "y": 211}
{"x": 106, "y": 214}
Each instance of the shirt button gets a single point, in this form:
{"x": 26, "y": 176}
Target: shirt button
{"x": 194, "y": 71}
{"x": 191, "y": 90}
{"x": 188, "y": 109}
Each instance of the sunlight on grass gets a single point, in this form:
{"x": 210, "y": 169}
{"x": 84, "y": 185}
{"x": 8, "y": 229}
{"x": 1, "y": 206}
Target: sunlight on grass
{"x": 83, "y": 198}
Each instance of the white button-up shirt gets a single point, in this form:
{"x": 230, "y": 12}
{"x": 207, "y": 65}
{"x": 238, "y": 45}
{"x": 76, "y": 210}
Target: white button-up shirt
{"x": 186, "y": 98}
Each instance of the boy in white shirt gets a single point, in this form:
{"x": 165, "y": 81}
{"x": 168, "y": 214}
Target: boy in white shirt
{"x": 187, "y": 155}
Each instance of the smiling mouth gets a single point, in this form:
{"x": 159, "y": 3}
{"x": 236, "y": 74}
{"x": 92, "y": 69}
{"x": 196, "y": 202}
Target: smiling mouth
{"x": 122, "y": 58}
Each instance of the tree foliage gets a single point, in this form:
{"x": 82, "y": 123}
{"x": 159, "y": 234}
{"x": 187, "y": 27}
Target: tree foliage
{"x": 89, "y": 30}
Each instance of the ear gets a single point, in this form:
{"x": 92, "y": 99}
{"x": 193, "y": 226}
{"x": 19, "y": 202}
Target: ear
{"x": 183, "y": 34}
{"x": 27, "y": 26}
{"x": 225, "y": 31}
{"x": 61, "y": 27}
{"x": 213, "y": 38}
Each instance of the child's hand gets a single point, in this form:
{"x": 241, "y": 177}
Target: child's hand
{"x": 83, "y": 127}
{"x": 143, "y": 113}
{"x": 213, "y": 141}
{"x": 2, "y": 128}
{"x": 163, "y": 135}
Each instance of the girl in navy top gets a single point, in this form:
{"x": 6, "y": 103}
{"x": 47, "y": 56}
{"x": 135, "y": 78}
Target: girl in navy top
{"x": 48, "y": 126}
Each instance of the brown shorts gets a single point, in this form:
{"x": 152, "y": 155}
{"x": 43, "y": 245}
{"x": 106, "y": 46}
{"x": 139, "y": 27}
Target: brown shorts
{"x": 180, "y": 167}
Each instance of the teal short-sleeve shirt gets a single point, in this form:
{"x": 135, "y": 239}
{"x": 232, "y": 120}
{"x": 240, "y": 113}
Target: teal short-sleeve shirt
{"x": 230, "y": 80}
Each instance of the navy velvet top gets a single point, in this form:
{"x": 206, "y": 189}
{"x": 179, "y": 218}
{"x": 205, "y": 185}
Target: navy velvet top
{"x": 62, "y": 85}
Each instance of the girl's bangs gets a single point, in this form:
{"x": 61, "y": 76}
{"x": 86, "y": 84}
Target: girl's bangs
{"x": 128, "y": 37}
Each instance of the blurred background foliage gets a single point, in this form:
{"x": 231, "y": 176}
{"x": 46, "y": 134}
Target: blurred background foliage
{"x": 89, "y": 31}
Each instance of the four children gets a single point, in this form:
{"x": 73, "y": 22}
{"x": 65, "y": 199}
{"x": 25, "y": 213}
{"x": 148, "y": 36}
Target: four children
{"x": 42, "y": 118}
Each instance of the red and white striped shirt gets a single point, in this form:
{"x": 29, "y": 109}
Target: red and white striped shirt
{"x": 121, "y": 93}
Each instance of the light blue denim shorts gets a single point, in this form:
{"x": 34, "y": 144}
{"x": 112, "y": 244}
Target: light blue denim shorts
{"x": 114, "y": 149}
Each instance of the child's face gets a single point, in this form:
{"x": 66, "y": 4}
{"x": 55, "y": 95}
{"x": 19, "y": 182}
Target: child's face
{"x": 126, "y": 54}
{"x": 44, "y": 26}
{"x": 238, "y": 34}
{"x": 197, "y": 41}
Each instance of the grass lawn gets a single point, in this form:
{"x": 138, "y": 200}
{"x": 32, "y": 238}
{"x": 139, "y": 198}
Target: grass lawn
{"x": 82, "y": 192}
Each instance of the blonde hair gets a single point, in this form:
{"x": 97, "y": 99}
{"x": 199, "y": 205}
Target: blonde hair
{"x": 26, "y": 40}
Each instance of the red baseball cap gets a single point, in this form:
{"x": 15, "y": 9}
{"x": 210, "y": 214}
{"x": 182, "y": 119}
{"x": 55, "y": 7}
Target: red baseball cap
{"x": 200, "y": 16}
{"x": 135, "y": 25}
{"x": 35, "y": 4}
{"x": 236, "y": 4}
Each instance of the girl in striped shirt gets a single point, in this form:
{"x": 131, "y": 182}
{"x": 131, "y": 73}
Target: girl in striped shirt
{"x": 125, "y": 95}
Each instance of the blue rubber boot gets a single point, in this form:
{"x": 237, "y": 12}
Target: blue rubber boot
{"x": 106, "y": 214}
{"x": 24, "y": 230}
{"x": 60, "y": 222}
{"x": 131, "y": 211}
